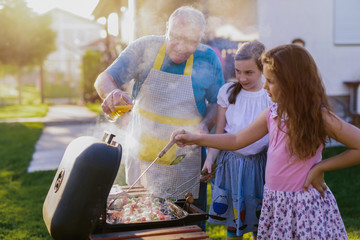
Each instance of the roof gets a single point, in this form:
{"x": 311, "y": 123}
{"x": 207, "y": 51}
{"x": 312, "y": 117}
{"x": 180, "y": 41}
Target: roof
{"x": 105, "y": 7}
{"x": 58, "y": 10}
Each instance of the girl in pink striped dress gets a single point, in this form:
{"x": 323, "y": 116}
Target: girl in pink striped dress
{"x": 297, "y": 204}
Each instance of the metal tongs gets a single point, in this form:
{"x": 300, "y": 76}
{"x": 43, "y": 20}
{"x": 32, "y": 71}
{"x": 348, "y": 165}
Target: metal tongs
{"x": 174, "y": 195}
{"x": 160, "y": 155}
{"x": 204, "y": 175}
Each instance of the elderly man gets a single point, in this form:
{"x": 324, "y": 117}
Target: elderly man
{"x": 176, "y": 81}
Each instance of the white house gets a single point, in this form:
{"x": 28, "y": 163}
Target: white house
{"x": 73, "y": 32}
{"x": 331, "y": 31}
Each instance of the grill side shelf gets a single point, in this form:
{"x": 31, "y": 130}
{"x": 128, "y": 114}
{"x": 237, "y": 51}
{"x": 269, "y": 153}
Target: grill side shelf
{"x": 186, "y": 232}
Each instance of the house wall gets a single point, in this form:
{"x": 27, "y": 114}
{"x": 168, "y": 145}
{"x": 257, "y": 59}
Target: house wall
{"x": 280, "y": 21}
{"x": 73, "y": 33}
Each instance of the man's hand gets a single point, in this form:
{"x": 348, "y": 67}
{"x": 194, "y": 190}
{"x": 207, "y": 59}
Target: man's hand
{"x": 203, "y": 129}
{"x": 115, "y": 98}
{"x": 209, "y": 120}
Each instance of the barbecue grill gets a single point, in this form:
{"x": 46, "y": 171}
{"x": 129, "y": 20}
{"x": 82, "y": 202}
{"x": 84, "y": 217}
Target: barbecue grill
{"x": 76, "y": 203}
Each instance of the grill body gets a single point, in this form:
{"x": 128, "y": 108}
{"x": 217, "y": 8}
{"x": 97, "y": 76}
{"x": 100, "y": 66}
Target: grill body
{"x": 75, "y": 205}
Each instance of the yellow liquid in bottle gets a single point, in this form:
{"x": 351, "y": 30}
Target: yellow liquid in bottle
{"x": 119, "y": 111}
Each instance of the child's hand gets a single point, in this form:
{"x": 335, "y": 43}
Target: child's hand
{"x": 208, "y": 172}
{"x": 182, "y": 138}
{"x": 315, "y": 177}
{"x": 207, "y": 165}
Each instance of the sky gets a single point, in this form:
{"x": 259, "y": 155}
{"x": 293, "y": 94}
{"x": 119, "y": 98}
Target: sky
{"x": 82, "y": 8}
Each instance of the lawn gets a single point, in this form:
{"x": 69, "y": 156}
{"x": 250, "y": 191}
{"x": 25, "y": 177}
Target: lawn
{"x": 9, "y": 95}
{"x": 23, "y": 111}
{"x": 22, "y": 194}
{"x": 95, "y": 107}
{"x": 345, "y": 185}
{"x": 30, "y": 107}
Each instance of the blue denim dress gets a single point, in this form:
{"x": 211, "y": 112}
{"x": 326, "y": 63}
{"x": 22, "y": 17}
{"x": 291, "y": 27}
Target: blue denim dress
{"x": 237, "y": 190}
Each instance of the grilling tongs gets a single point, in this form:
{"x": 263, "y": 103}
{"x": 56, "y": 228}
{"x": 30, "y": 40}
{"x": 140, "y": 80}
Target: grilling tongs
{"x": 160, "y": 155}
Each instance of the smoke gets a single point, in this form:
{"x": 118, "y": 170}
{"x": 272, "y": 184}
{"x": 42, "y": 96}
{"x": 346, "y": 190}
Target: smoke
{"x": 123, "y": 129}
{"x": 240, "y": 14}
{"x": 233, "y": 20}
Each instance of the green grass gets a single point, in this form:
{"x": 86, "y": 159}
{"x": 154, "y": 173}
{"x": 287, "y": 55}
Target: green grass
{"x": 345, "y": 185}
{"x": 30, "y": 107}
{"x": 23, "y": 111}
{"x": 95, "y": 107}
{"x": 29, "y": 95}
{"x": 61, "y": 90}
{"x": 22, "y": 194}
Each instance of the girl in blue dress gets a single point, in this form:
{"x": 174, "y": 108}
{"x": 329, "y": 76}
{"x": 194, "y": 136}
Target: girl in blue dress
{"x": 237, "y": 188}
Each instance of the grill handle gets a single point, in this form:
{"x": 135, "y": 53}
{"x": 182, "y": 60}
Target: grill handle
{"x": 108, "y": 137}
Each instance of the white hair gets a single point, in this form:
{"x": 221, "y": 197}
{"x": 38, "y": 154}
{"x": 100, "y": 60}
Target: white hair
{"x": 190, "y": 15}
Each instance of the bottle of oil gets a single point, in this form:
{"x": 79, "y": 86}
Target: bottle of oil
{"x": 119, "y": 111}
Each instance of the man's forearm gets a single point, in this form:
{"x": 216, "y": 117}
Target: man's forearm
{"x": 104, "y": 84}
{"x": 210, "y": 117}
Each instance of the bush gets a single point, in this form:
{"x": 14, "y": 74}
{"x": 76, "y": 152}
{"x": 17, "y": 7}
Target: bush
{"x": 92, "y": 66}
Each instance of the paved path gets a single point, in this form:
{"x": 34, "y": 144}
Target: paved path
{"x": 60, "y": 115}
{"x": 63, "y": 123}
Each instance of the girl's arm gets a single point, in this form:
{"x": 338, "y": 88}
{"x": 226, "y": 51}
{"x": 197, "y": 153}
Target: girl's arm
{"x": 212, "y": 152}
{"x": 345, "y": 133}
{"x": 256, "y": 130}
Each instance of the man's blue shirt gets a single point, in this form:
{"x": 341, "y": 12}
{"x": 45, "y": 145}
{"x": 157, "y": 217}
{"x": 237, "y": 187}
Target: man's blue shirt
{"x": 136, "y": 61}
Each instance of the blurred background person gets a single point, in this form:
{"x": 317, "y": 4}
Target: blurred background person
{"x": 299, "y": 42}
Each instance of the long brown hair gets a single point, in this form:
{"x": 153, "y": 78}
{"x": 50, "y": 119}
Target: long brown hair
{"x": 248, "y": 50}
{"x": 301, "y": 98}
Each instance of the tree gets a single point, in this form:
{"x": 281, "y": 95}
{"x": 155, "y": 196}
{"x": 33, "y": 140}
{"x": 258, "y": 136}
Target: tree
{"x": 92, "y": 66}
{"x": 26, "y": 39}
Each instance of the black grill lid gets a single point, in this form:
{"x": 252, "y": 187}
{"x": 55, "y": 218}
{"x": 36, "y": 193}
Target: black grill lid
{"x": 78, "y": 193}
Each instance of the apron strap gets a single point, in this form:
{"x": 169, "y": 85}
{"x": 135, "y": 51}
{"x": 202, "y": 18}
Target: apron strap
{"x": 160, "y": 58}
{"x": 188, "y": 66}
